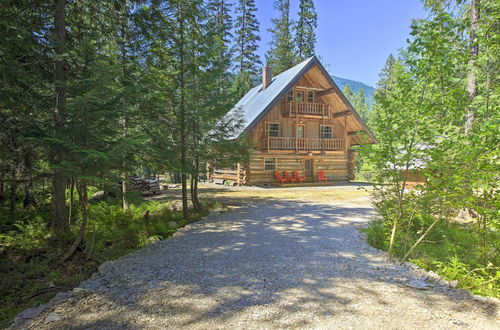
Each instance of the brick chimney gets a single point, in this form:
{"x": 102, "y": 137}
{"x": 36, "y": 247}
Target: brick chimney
{"x": 267, "y": 77}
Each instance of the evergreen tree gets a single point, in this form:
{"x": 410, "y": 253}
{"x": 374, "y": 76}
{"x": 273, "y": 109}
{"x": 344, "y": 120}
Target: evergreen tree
{"x": 305, "y": 37}
{"x": 359, "y": 103}
{"x": 282, "y": 54}
{"x": 221, "y": 41}
{"x": 246, "y": 44}
{"x": 59, "y": 210}
{"x": 26, "y": 97}
{"x": 347, "y": 91}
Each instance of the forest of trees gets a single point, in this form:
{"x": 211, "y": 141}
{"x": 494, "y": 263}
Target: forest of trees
{"x": 436, "y": 110}
{"x": 94, "y": 91}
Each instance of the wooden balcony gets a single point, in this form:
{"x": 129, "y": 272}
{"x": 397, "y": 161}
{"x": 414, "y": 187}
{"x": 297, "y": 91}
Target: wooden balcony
{"x": 302, "y": 144}
{"x": 305, "y": 109}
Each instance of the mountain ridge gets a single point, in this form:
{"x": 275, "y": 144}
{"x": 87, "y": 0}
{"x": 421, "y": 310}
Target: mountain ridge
{"x": 355, "y": 86}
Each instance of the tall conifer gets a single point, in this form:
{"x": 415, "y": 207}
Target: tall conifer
{"x": 282, "y": 54}
{"x": 305, "y": 37}
{"x": 247, "y": 39}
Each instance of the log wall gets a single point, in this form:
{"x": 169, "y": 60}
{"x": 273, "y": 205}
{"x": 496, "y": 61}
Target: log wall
{"x": 335, "y": 165}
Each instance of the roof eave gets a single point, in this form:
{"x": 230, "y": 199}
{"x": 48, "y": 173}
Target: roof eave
{"x": 292, "y": 82}
{"x": 344, "y": 99}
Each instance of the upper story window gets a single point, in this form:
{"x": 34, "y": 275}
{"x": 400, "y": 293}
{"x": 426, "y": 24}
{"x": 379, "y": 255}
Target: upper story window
{"x": 299, "y": 96}
{"x": 289, "y": 96}
{"x": 326, "y": 132}
{"x": 310, "y": 96}
{"x": 300, "y": 131}
{"x": 273, "y": 129}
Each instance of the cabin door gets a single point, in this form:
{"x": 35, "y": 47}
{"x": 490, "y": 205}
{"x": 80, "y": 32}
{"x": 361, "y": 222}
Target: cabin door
{"x": 309, "y": 169}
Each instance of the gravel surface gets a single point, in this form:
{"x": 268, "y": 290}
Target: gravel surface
{"x": 268, "y": 265}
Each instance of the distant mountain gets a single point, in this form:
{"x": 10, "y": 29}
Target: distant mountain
{"x": 355, "y": 86}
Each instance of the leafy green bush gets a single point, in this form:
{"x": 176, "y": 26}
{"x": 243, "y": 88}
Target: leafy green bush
{"x": 29, "y": 234}
{"x": 452, "y": 250}
{"x": 376, "y": 234}
{"x": 113, "y": 229}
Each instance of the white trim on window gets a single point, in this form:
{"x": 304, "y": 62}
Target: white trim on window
{"x": 273, "y": 129}
{"x": 270, "y": 163}
{"x": 326, "y": 132}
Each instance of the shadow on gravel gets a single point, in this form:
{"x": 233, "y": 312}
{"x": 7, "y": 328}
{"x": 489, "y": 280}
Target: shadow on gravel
{"x": 284, "y": 262}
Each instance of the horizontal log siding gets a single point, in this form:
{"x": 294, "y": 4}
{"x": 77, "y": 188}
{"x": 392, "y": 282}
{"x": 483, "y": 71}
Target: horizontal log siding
{"x": 335, "y": 165}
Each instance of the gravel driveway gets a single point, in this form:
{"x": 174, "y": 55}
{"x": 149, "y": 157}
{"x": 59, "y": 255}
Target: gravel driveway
{"x": 268, "y": 265}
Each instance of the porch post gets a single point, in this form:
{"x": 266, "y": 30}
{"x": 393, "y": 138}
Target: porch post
{"x": 345, "y": 134}
{"x": 238, "y": 174}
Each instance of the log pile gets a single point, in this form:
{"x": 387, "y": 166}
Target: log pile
{"x": 146, "y": 187}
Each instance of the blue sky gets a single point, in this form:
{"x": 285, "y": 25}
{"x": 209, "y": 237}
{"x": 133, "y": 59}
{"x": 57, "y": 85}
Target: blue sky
{"x": 354, "y": 37}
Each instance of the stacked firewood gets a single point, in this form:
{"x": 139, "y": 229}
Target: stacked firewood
{"x": 146, "y": 187}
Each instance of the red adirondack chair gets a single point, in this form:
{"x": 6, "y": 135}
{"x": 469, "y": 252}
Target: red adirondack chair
{"x": 278, "y": 176}
{"x": 297, "y": 177}
{"x": 321, "y": 176}
{"x": 289, "y": 178}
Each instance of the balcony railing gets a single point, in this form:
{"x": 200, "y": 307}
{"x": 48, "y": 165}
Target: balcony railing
{"x": 309, "y": 144}
{"x": 294, "y": 109}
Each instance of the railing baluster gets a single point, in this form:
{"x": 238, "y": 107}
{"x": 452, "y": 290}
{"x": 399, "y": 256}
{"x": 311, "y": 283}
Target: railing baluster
{"x": 294, "y": 143}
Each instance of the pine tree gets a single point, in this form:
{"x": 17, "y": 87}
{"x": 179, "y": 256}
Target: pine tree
{"x": 222, "y": 38}
{"x": 59, "y": 210}
{"x": 305, "y": 36}
{"x": 361, "y": 105}
{"x": 25, "y": 99}
{"x": 347, "y": 91}
{"x": 247, "y": 37}
{"x": 246, "y": 45}
{"x": 282, "y": 54}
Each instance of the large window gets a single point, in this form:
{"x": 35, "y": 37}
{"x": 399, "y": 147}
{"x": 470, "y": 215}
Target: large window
{"x": 270, "y": 164}
{"x": 310, "y": 96}
{"x": 326, "y": 132}
{"x": 273, "y": 129}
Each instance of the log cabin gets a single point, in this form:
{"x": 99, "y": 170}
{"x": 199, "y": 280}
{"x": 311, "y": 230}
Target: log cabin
{"x": 298, "y": 121}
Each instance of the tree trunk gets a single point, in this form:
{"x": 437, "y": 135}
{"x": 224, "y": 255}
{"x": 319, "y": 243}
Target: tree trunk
{"x": 59, "y": 212}
{"x": 71, "y": 199}
{"x": 123, "y": 59}
{"x": 183, "y": 143}
{"x": 13, "y": 191}
{"x": 474, "y": 52}
{"x": 29, "y": 186}
{"x": 420, "y": 239}
{"x": 81, "y": 188}
{"x": 2, "y": 186}
{"x": 194, "y": 186}
{"x": 125, "y": 190}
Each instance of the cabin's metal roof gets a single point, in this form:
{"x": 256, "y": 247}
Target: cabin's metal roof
{"x": 257, "y": 101}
